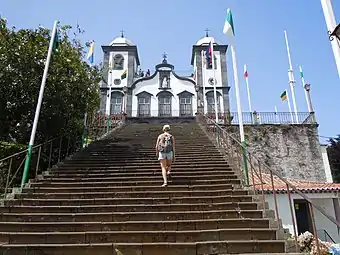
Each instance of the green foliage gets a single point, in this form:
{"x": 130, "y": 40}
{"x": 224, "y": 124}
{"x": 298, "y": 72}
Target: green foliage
{"x": 333, "y": 152}
{"x": 71, "y": 86}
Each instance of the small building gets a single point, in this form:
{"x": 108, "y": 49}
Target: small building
{"x": 323, "y": 194}
{"x": 162, "y": 92}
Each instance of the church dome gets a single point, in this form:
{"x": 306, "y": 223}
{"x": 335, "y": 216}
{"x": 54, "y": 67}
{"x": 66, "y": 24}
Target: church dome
{"x": 121, "y": 41}
{"x": 206, "y": 40}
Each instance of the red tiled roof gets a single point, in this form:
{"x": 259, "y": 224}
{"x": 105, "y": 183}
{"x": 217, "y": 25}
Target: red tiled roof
{"x": 301, "y": 185}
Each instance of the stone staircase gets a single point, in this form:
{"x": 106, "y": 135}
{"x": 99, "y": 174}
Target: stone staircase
{"x": 108, "y": 200}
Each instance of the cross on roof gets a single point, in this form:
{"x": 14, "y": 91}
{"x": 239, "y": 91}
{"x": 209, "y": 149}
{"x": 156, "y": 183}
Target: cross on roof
{"x": 207, "y": 32}
{"x": 122, "y": 31}
{"x": 164, "y": 56}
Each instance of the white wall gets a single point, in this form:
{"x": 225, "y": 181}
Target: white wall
{"x": 328, "y": 172}
{"x": 116, "y": 74}
{"x": 209, "y": 73}
{"x": 152, "y": 87}
{"x": 324, "y": 200}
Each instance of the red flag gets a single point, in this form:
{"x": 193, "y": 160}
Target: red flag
{"x": 245, "y": 72}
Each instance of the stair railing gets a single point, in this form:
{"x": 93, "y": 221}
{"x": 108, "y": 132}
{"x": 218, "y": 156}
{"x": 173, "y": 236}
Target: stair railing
{"x": 47, "y": 154}
{"x": 261, "y": 175}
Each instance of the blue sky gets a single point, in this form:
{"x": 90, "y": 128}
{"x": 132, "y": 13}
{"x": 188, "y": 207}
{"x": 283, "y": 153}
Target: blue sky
{"x": 174, "y": 26}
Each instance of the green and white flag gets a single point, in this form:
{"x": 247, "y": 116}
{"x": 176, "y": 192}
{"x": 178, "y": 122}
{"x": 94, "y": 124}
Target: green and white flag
{"x": 301, "y": 73}
{"x": 229, "y": 25}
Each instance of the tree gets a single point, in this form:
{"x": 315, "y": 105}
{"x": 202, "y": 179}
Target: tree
{"x": 333, "y": 151}
{"x": 71, "y": 86}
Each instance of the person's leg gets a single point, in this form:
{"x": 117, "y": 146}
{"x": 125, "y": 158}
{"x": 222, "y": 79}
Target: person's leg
{"x": 169, "y": 163}
{"x": 163, "y": 166}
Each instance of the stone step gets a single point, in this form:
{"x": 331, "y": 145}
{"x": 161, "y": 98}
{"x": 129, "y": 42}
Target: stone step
{"x": 179, "y": 225}
{"x": 142, "y": 161}
{"x": 175, "y": 174}
{"x": 131, "y": 207}
{"x": 124, "y": 169}
{"x": 148, "y": 216}
{"x": 198, "y": 248}
{"x": 190, "y": 164}
{"x": 100, "y": 155}
{"x": 136, "y": 194}
{"x": 130, "y": 200}
{"x": 128, "y": 188}
{"x": 137, "y": 236}
{"x": 133, "y": 184}
{"x": 113, "y": 156}
{"x": 174, "y": 177}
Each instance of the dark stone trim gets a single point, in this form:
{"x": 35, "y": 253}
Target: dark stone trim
{"x": 132, "y": 49}
{"x": 217, "y": 92}
{"x": 185, "y": 91}
{"x": 154, "y": 75}
{"x": 144, "y": 92}
{"x": 183, "y": 78}
{"x": 223, "y": 88}
{"x": 199, "y": 48}
{"x": 165, "y": 92}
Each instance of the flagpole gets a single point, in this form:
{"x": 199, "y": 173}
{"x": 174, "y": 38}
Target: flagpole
{"x": 331, "y": 24}
{"x": 214, "y": 75}
{"x": 203, "y": 84}
{"x": 303, "y": 85}
{"x": 276, "y": 114}
{"x": 291, "y": 78}
{"x": 248, "y": 90}
{"x": 37, "y": 111}
{"x": 229, "y": 30}
{"x": 289, "y": 106}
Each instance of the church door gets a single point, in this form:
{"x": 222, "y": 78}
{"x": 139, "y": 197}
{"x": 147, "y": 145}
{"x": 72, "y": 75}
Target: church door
{"x": 185, "y": 106}
{"x": 116, "y": 103}
{"x": 211, "y": 102}
{"x": 144, "y": 106}
{"x": 164, "y": 106}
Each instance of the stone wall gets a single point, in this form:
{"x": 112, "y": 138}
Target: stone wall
{"x": 292, "y": 150}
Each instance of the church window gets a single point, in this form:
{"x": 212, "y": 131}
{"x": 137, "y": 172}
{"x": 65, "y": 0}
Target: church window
{"x": 118, "y": 62}
{"x": 116, "y": 103}
{"x": 211, "y": 102}
{"x": 164, "y": 104}
{"x": 185, "y": 104}
{"x": 144, "y": 105}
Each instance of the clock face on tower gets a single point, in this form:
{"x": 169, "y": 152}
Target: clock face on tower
{"x": 212, "y": 81}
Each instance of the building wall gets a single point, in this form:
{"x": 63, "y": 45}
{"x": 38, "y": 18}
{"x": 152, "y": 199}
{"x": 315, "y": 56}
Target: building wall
{"x": 152, "y": 87}
{"x": 324, "y": 200}
{"x": 116, "y": 74}
{"x": 291, "y": 150}
{"x": 327, "y": 167}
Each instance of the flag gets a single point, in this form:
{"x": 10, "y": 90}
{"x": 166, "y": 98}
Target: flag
{"x": 195, "y": 74}
{"x": 123, "y": 76}
{"x": 301, "y": 73}
{"x": 284, "y": 95}
{"x": 90, "y": 54}
{"x": 55, "y": 41}
{"x": 245, "y": 72}
{"x": 229, "y": 24}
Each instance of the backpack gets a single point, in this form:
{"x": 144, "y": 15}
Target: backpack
{"x": 165, "y": 143}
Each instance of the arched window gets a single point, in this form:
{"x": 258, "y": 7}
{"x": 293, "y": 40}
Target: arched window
{"x": 144, "y": 104}
{"x": 164, "y": 104}
{"x": 118, "y": 62}
{"x": 185, "y": 103}
{"x": 116, "y": 103}
{"x": 211, "y": 101}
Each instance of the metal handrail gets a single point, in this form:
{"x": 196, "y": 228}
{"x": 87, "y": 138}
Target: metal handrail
{"x": 249, "y": 157}
{"x": 280, "y": 176}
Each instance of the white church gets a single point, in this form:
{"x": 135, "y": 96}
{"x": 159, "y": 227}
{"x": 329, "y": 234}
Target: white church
{"x": 162, "y": 93}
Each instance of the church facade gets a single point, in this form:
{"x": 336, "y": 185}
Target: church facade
{"x": 162, "y": 93}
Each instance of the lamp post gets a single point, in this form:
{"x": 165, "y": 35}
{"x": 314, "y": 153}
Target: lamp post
{"x": 333, "y": 30}
{"x": 125, "y": 90}
{"x": 309, "y": 101}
